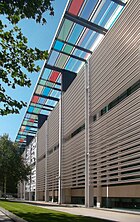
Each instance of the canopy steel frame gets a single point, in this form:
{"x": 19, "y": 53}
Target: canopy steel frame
{"x": 50, "y": 87}
{"x": 28, "y": 120}
{"x": 71, "y": 55}
{"x": 56, "y": 83}
{"x": 36, "y": 127}
{"x": 75, "y": 46}
{"x": 34, "y": 113}
{"x": 46, "y": 97}
{"x": 85, "y": 23}
{"x": 22, "y": 136}
{"x": 36, "y": 106}
{"x": 30, "y": 131}
{"x": 25, "y": 133}
{"x": 119, "y": 2}
{"x": 55, "y": 68}
{"x": 44, "y": 105}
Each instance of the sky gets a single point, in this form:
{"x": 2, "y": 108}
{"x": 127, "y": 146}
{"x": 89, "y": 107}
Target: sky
{"x": 39, "y": 36}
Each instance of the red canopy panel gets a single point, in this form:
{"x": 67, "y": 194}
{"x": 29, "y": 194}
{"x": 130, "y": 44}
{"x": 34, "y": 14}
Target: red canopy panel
{"x": 32, "y": 120}
{"x": 75, "y": 6}
{"x": 35, "y": 99}
{"x": 22, "y": 130}
{"x": 54, "y": 76}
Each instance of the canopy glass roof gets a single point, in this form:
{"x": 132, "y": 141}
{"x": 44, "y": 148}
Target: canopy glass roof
{"x": 82, "y": 27}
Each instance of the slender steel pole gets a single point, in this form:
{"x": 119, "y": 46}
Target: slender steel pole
{"x": 60, "y": 153}
{"x": 87, "y": 135}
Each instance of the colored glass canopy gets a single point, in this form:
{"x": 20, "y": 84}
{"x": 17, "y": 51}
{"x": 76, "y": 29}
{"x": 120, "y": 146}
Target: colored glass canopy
{"x": 82, "y": 27}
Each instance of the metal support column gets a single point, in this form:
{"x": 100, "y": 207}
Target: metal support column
{"x": 88, "y": 188}
{"x": 24, "y": 183}
{"x": 99, "y": 190}
{"x": 60, "y": 152}
{"x": 36, "y": 191}
{"x": 46, "y": 162}
{"x": 36, "y": 171}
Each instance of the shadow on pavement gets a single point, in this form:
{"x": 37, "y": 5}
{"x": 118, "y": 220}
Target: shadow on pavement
{"x": 47, "y": 217}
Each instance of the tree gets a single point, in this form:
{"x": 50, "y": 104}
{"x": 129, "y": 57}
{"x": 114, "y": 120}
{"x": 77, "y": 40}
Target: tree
{"x": 12, "y": 165}
{"x": 16, "y": 57}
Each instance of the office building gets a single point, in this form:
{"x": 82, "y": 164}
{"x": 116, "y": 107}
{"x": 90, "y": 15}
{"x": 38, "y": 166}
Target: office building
{"x": 85, "y": 110}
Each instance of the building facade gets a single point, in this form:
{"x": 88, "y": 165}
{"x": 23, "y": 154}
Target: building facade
{"x": 88, "y": 149}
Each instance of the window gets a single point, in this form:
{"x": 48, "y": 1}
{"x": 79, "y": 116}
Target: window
{"x": 120, "y": 98}
{"x": 103, "y": 111}
{"x": 94, "y": 118}
{"x": 78, "y": 130}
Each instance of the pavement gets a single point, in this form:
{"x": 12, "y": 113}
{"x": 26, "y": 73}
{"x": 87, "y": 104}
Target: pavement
{"x": 103, "y": 213}
{"x": 4, "y": 218}
{"x": 108, "y": 214}
{"x": 98, "y": 213}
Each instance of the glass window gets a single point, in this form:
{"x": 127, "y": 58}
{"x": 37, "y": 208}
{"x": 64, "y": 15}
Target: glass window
{"x": 94, "y": 118}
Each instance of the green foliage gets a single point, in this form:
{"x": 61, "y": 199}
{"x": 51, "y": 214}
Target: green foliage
{"x": 34, "y": 9}
{"x": 16, "y": 58}
{"x": 12, "y": 165}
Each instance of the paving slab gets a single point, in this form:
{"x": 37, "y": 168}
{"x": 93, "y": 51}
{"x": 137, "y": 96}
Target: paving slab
{"x": 7, "y": 216}
{"x": 98, "y": 213}
{"x": 4, "y": 218}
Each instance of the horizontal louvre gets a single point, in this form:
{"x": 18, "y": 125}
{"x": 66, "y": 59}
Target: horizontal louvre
{"x": 73, "y": 162}
{"x": 52, "y": 150}
{"x": 115, "y": 64}
{"x": 115, "y": 144}
{"x": 73, "y": 104}
{"x": 41, "y": 141}
{"x": 40, "y": 179}
{"x": 52, "y": 171}
{"x": 53, "y": 128}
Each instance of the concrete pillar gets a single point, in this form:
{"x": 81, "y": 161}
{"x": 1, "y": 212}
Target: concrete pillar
{"x": 107, "y": 196}
{"x": 30, "y": 196}
{"x": 99, "y": 196}
{"x": 66, "y": 196}
{"x": 47, "y": 196}
{"x": 53, "y": 194}
{"x": 35, "y": 195}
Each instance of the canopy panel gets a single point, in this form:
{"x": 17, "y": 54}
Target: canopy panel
{"x": 82, "y": 27}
